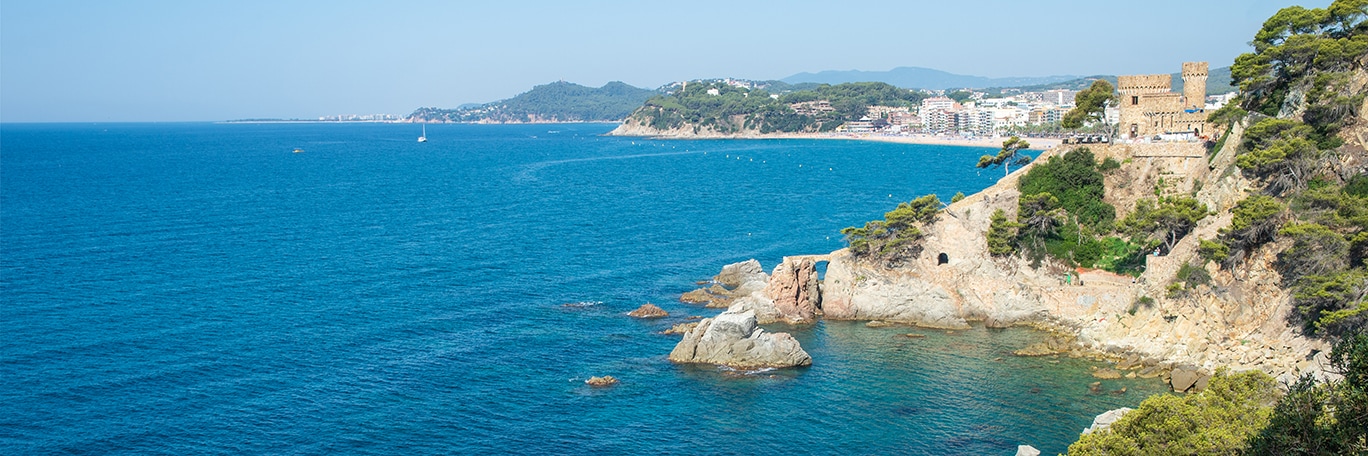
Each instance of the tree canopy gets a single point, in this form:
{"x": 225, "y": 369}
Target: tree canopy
{"x": 1010, "y": 153}
{"x": 1090, "y": 105}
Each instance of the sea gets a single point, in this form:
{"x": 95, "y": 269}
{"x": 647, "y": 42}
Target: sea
{"x": 283, "y": 288}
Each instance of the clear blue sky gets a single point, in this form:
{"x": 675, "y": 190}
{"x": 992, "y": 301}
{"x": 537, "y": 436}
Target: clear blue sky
{"x": 191, "y": 60}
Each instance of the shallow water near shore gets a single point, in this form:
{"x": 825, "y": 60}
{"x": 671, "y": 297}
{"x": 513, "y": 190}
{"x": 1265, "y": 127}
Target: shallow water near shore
{"x": 199, "y": 288}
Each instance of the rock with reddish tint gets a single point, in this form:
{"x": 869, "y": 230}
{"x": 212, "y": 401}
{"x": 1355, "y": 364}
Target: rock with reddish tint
{"x": 648, "y": 310}
{"x": 682, "y": 328}
{"x": 793, "y": 288}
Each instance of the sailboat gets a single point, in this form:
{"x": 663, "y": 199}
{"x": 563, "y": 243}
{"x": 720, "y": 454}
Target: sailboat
{"x": 424, "y": 137}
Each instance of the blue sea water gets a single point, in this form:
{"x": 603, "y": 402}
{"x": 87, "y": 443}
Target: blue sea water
{"x": 199, "y": 289}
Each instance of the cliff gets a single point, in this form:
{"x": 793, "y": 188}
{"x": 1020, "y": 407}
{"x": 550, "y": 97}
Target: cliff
{"x": 1239, "y": 321}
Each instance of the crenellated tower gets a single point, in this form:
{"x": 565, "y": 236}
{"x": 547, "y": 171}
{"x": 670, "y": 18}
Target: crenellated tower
{"x": 1194, "y": 85}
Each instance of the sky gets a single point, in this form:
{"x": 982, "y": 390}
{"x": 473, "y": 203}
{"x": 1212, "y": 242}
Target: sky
{"x": 134, "y": 61}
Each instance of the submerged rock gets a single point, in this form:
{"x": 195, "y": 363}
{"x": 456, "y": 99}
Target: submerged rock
{"x": 734, "y": 339}
{"x": 649, "y": 310}
{"x": 1106, "y": 373}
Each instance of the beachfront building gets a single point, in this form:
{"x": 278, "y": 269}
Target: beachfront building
{"x": 812, "y": 108}
{"x": 939, "y": 103}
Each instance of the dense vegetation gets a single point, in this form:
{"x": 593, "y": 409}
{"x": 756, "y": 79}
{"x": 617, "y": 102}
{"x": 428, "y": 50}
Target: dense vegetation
{"x": 1246, "y": 413}
{"x": 725, "y": 109}
{"x": 896, "y": 238}
{"x": 557, "y": 101}
{"x": 1090, "y": 107}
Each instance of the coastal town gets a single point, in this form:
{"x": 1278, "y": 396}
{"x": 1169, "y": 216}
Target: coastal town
{"x": 1146, "y": 107}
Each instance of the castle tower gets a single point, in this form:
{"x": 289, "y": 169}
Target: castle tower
{"x": 1194, "y": 85}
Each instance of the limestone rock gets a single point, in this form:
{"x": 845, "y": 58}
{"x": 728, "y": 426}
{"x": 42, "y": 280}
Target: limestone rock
{"x": 1027, "y": 450}
{"x": 1106, "y": 419}
{"x": 734, "y": 339}
{"x": 648, "y": 310}
{"x": 736, "y": 274}
{"x": 794, "y": 290}
{"x": 737, "y": 280}
{"x": 1185, "y": 376}
{"x": 598, "y": 382}
{"x": 765, "y": 311}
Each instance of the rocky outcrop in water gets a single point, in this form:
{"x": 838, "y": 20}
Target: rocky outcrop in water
{"x": 736, "y": 281}
{"x": 599, "y": 382}
{"x": 734, "y": 339}
{"x": 794, "y": 290}
{"x": 648, "y": 310}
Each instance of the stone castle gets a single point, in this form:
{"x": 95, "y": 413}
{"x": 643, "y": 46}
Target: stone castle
{"x": 1149, "y": 106}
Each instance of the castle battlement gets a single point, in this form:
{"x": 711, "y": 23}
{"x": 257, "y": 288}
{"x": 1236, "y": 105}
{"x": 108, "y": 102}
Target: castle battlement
{"x": 1150, "y": 107}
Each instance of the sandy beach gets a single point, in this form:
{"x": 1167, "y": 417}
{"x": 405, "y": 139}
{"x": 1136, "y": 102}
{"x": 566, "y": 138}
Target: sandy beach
{"x": 993, "y": 142}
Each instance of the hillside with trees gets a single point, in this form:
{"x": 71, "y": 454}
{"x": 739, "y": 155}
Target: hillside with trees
{"x": 555, "y": 102}
{"x": 726, "y": 109}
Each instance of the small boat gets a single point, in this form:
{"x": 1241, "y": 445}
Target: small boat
{"x": 298, "y": 150}
{"x": 424, "y": 137}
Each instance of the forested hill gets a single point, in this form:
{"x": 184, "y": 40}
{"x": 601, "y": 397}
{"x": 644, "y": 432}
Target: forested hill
{"x": 555, "y": 102}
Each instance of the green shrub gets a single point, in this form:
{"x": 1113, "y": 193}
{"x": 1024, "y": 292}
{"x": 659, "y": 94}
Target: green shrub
{"x": 1323, "y": 418}
{"x": 1000, "y": 234}
{"x": 897, "y": 237}
{"x": 1109, "y": 164}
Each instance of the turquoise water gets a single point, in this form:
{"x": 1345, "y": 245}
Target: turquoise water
{"x": 198, "y": 288}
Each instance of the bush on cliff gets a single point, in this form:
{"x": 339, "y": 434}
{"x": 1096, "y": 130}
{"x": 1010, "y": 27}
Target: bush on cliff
{"x": 1163, "y": 221}
{"x": 897, "y": 237}
{"x": 1000, "y": 234}
{"x": 1222, "y": 419}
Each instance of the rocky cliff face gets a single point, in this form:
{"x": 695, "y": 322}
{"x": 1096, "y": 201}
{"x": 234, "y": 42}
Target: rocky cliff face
{"x": 1239, "y": 321}
{"x": 635, "y": 127}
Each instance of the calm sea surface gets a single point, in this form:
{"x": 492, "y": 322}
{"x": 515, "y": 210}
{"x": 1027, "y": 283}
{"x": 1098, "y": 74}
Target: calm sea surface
{"x": 198, "y": 288}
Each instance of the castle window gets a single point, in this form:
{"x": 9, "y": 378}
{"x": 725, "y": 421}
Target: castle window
{"x": 1135, "y": 100}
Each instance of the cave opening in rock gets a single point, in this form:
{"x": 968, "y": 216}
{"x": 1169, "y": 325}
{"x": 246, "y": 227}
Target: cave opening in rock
{"x": 942, "y": 259}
